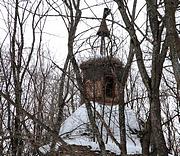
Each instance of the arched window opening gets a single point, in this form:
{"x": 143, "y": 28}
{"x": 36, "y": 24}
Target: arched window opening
{"x": 109, "y": 86}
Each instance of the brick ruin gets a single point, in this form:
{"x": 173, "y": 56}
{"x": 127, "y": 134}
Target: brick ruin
{"x": 100, "y": 79}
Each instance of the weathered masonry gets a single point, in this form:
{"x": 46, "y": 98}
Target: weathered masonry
{"x": 100, "y": 79}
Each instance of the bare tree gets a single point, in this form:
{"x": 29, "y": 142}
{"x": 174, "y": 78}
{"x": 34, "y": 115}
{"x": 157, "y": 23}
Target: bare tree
{"x": 173, "y": 37}
{"x": 158, "y": 56}
{"x": 35, "y": 100}
{"x": 17, "y": 88}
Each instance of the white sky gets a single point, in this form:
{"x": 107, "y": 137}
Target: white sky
{"x": 55, "y": 33}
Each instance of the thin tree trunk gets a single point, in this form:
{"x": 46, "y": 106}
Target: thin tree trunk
{"x": 88, "y": 107}
{"x": 122, "y": 124}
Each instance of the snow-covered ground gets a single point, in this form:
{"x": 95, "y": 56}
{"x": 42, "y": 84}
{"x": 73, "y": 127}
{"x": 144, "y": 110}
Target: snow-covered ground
{"x": 76, "y": 129}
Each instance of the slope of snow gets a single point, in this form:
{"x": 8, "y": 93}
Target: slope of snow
{"x": 76, "y": 129}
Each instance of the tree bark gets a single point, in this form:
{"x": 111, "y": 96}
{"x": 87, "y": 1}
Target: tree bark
{"x": 158, "y": 56}
{"x": 145, "y": 137}
{"x": 173, "y": 38}
{"x": 156, "y": 125}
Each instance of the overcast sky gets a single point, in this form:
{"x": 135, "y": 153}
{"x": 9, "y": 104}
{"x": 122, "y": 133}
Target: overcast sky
{"x": 55, "y": 33}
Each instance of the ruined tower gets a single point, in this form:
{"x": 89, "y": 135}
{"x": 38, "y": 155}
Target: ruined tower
{"x": 101, "y": 73}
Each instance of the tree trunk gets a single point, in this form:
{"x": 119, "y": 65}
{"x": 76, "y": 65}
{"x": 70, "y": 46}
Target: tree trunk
{"x": 173, "y": 38}
{"x": 122, "y": 124}
{"x": 145, "y": 137}
{"x": 156, "y": 125}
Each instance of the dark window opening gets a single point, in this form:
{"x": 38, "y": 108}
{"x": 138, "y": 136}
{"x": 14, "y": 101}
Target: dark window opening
{"x": 109, "y": 87}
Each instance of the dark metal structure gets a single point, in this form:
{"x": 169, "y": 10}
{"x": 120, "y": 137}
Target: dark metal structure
{"x": 103, "y": 30}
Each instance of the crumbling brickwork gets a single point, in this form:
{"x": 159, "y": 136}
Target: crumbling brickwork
{"x": 100, "y": 79}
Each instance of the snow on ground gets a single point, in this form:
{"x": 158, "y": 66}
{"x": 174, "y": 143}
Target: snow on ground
{"x": 76, "y": 129}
